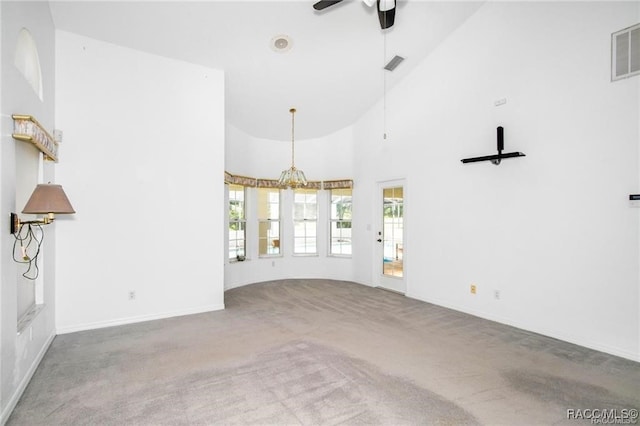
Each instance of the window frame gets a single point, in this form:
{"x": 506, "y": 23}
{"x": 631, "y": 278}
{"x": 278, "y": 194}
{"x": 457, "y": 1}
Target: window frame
{"x": 333, "y": 220}
{"x": 270, "y": 241}
{"x": 241, "y": 221}
{"x": 305, "y": 220}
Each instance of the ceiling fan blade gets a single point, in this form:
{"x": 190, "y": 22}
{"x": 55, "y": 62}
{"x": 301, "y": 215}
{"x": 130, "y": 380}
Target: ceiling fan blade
{"x": 323, "y": 4}
{"x": 386, "y": 13}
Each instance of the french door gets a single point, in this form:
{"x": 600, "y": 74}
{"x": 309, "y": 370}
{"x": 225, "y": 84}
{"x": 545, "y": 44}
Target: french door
{"x": 390, "y": 236}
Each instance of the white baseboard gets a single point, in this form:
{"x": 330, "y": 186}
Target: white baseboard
{"x": 623, "y": 353}
{"x": 236, "y": 285}
{"x": 366, "y": 284}
{"x": 139, "y": 318}
{"x": 13, "y": 401}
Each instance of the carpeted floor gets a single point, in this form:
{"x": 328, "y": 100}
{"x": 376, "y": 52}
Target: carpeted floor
{"x": 318, "y": 352}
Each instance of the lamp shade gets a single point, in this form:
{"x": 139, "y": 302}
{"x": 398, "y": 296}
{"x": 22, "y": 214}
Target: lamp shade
{"x": 48, "y": 198}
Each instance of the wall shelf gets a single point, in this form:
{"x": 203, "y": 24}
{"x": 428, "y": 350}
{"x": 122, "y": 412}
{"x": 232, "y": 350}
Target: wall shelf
{"x": 27, "y": 129}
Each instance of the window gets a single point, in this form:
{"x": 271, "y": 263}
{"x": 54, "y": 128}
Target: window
{"x": 340, "y": 222}
{"x": 305, "y": 218}
{"x": 268, "y": 221}
{"x": 237, "y": 222}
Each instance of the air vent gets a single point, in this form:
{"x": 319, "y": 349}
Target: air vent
{"x": 393, "y": 63}
{"x": 625, "y": 53}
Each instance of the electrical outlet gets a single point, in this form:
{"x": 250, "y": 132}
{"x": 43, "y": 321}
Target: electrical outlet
{"x": 132, "y": 295}
{"x": 496, "y": 294}
{"x": 473, "y": 289}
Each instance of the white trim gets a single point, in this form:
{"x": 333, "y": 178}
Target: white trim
{"x": 576, "y": 340}
{"x": 139, "y": 318}
{"x": 17, "y": 394}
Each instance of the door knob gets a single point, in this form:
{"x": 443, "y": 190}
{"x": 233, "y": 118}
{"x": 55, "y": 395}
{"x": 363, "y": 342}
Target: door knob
{"x": 379, "y": 240}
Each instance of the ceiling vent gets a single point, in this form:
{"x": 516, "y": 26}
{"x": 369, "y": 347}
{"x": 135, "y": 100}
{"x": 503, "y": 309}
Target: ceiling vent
{"x": 393, "y": 63}
{"x": 625, "y": 53}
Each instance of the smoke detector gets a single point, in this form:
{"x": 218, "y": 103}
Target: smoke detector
{"x": 281, "y": 43}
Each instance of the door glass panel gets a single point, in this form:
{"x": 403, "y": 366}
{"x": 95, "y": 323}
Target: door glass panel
{"x": 392, "y": 231}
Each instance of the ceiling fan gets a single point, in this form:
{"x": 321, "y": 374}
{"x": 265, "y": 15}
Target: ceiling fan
{"x": 386, "y": 9}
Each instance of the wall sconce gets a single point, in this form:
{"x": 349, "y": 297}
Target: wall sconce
{"x": 47, "y": 199}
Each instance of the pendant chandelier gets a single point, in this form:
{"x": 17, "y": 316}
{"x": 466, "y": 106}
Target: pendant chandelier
{"x": 292, "y": 177}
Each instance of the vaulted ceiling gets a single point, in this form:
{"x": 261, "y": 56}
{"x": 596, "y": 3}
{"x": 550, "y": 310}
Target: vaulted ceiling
{"x": 332, "y": 72}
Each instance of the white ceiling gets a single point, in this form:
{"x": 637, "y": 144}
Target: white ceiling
{"x": 332, "y": 74}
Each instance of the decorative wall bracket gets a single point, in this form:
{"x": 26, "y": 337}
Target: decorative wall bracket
{"x": 27, "y": 129}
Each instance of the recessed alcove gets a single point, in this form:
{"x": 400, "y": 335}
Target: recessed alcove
{"x": 27, "y": 61}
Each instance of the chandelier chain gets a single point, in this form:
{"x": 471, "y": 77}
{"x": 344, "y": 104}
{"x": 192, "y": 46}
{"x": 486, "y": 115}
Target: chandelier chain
{"x": 293, "y": 146}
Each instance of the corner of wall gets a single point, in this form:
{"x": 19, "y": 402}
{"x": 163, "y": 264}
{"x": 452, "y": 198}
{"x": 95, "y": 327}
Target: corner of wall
{"x": 21, "y": 353}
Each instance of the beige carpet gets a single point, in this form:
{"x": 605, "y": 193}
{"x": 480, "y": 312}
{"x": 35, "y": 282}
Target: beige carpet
{"x": 321, "y": 352}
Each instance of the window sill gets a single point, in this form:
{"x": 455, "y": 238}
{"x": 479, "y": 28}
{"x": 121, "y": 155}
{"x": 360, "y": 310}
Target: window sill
{"x": 27, "y": 319}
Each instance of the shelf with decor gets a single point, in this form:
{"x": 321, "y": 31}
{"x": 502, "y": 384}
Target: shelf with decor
{"x": 26, "y": 128}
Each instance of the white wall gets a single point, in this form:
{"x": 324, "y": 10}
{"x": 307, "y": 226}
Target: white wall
{"x": 142, "y": 163}
{"x": 325, "y": 158}
{"x": 20, "y": 354}
{"x": 553, "y": 231}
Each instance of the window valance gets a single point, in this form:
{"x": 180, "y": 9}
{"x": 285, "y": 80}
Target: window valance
{"x": 273, "y": 183}
{"x": 239, "y": 180}
{"x": 267, "y": 183}
{"x": 337, "y": 184}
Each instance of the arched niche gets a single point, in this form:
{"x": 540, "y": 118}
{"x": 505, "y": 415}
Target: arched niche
{"x": 27, "y": 61}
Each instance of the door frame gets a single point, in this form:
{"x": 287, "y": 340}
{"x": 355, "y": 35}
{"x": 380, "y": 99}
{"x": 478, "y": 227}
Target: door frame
{"x": 395, "y": 284}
